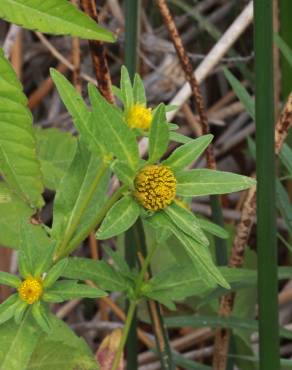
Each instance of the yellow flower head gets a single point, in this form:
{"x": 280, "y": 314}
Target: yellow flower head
{"x": 139, "y": 117}
{"x": 30, "y": 290}
{"x": 155, "y": 187}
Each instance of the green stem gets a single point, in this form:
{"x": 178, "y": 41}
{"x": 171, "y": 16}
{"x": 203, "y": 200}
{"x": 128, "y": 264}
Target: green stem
{"x": 266, "y": 208}
{"x": 99, "y": 217}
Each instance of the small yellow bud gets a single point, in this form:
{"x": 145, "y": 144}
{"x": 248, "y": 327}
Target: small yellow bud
{"x": 139, "y": 117}
{"x": 155, "y": 187}
{"x": 30, "y": 290}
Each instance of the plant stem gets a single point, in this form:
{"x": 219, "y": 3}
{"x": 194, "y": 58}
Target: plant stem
{"x": 265, "y": 155}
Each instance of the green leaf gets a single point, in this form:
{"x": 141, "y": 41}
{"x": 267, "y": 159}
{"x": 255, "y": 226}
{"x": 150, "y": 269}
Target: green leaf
{"x": 158, "y": 135}
{"x": 126, "y": 88}
{"x": 82, "y": 118}
{"x": 17, "y": 343}
{"x": 36, "y": 250}
{"x": 213, "y": 229}
{"x": 20, "y": 311}
{"x": 120, "y": 218}
{"x": 284, "y": 204}
{"x": 66, "y": 289}
{"x": 241, "y": 93}
{"x": 7, "y": 309}
{"x": 57, "y": 17}
{"x": 9, "y": 279}
{"x": 139, "y": 91}
{"x": 286, "y": 157}
{"x": 124, "y": 173}
{"x": 188, "y": 153}
{"x": 18, "y": 163}
{"x": 119, "y": 261}
{"x": 179, "y": 138}
{"x": 284, "y": 47}
{"x": 98, "y": 271}
{"x": 116, "y": 135}
{"x": 55, "y": 151}
{"x": 200, "y": 182}
{"x": 75, "y": 187}
{"x": 55, "y": 272}
{"x": 187, "y": 222}
{"x": 40, "y": 314}
{"x": 61, "y": 349}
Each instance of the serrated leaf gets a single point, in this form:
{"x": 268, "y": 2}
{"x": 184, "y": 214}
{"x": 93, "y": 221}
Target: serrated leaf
{"x": 187, "y": 222}
{"x": 18, "y": 162}
{"x": 79, "y": 112}
{"x": 9, "y": 279}
{"x": 17, "y": 343}
{"x": 158, "y": 135}
{"x": 66, "y": 290}
{"x": 116, "y": 135}
{"x": 188, "y": 153}
{"x": 124, "y": 173}
{"x": 213, "y": 228}
{"x": 200, "y": 182}
{"x": 57, "y": 17}
{"x": 98, "y": 271}
{"x": 55, "y": 272}
{"x": 241, "y": 93}
{"x": 55, "y": 151}
{"x": 139, "y": 91}
{"x": 119, "y": 218}
{"x": 126, "y": 88}
{"x": 83, "y": 173}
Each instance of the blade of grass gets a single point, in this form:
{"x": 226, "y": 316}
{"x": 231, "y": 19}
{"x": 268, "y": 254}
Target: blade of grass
{"x": 265, "y": 155}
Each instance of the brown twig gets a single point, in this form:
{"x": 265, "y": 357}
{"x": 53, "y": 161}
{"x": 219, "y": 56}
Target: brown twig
{"x": 189, "y": 73}
{"x": 76, "y": 57}
{"x": 236, "y": 260}
{"x": 99, "y": 61}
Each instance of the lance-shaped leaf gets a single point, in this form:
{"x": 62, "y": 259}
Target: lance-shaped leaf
{"x": 55, "y": 17}
{"x": 179, "y": 138}
{"x": 55, "y": 151}
{"x": 116, "y": 135}
{"x": 20, "y": 310}
{"x": 66, "y": 289}
{"x": 9, "y": 279}
{"x": 198, "y": 253}
{"x": 213, "y": 229}
{"x": 188, "y": 153}
{"x": 81, "y": 194}
{"x": 126, "y": 88}
{"x": 120, "y": 218}
{"x": 98, "y": 271}
{"x": 55, "y": 272}
{"x": 17, "y": 343}
{"x": 79, "y": 112}
{"x": 40, "y": 314}
{"x": 139, "y": 91}
{"x": 7, "y": 309}
{"x": 187, "y": 222}
{"x": 206, "y": 182}
{"x": 284, "y": 204}
{"x": 158, "y": 135}
{"x": 18, "y": 162}
{"x": 124, "y": 173}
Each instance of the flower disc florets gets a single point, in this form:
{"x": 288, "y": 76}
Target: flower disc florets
{"x": 139, "y": 117}
{"x": 155, "y": 187}
{"x": 30, "y": 290}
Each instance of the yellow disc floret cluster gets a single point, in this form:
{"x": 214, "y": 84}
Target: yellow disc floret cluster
{"x": 30, "y": 290}
{"x": 155, "y": 187}
{"x": 139, "y": 117}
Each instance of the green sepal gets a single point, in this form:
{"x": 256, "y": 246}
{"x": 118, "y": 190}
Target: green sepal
{"x": 9, "y": 279}
{"x": 55, "y": 272}
{"x": 67, "y": 289}
{"x": 213, "y": 228}
{"x": 19, "y": 311}
{"x": 200, "y": 182}
{"x": 158, "y": 135}
{"x": 124, "y": 173}
{"x": 187, "y": 222}
{"x": 7, "y": 308}
{"x": 188, "y": 153}
{"x": 126, "y": 88}
{"x": 41, "y": 316}
{"x": 139, "y": 95}
{"x": 120, "y": 218}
